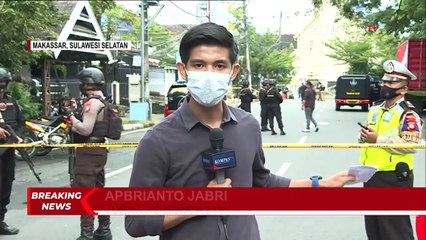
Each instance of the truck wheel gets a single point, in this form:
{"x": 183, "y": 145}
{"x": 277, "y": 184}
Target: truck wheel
{"x": 338, "y": 107}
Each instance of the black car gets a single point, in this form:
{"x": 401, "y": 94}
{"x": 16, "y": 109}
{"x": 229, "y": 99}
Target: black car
{"x": 356, "y": 90}
{"x": 177, "y": 92}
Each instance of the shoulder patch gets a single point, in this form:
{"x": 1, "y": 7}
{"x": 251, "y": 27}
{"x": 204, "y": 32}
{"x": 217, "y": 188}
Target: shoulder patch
{"x": 410, "y": 130}
{"x": 87, "y": 106}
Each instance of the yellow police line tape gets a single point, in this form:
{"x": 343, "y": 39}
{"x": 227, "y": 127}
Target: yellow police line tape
{"x": 266, "y": 145}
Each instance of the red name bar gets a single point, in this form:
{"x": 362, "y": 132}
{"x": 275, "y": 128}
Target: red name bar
{"x": 76, "y": 201}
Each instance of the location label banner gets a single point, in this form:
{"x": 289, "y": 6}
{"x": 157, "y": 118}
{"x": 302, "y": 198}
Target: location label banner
{"x": 78, "y": 201}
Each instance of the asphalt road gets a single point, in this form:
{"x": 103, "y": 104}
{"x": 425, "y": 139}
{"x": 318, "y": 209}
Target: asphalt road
{"x": 335, "y": 127}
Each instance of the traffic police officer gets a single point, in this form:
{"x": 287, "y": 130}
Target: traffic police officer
{"x": 90, "y": 162}
{"x": 264, "y": 106}
{"x": 392, "y": 121}
{"x": 273, "y": 100}
{"x": 11, "y": 115}
{"x": 246, "y": 97}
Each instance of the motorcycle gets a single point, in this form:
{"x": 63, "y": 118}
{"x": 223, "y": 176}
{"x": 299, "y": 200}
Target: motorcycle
{"x": 47, "y": 131}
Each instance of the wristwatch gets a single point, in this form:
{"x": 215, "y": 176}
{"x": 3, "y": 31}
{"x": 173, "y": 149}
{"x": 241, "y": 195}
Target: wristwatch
{"x": 315, "y": 180}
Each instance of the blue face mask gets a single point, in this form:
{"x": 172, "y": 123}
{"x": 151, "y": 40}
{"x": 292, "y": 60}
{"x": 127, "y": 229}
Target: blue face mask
{"x": 208, "y": 88}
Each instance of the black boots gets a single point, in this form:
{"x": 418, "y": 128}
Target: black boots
{"x": 103, "y": 232}
{"x": 275, "y": 133}
{"x": 264, "y": 129}
{"x": 7, "y": 230}
{"x": 86, "y": 233}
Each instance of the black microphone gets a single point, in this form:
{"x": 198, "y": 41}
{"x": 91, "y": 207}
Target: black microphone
{"x": 217, "y": 158}
{"x": 402, "y": 171}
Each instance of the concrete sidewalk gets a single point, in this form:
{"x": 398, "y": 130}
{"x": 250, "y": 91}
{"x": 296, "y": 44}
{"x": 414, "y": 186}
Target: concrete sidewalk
{"x": 156, "y": 118}
{"x": 132, "y": 125}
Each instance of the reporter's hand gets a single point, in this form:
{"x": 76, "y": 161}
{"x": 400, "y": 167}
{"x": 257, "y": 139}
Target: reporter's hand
{"x": 4, "y": 134}
{"x": 213, "y": 184}
{"x": 338, "y": 180}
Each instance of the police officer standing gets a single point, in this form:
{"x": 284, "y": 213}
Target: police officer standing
{"x": 11, "y": 115}
{"x": 90, "y": 162}
{"x": 273, "y": 100}
{"x": 246, "y": 97}
{"x": 264, "y": 106}
{"x": 392, "y": 121}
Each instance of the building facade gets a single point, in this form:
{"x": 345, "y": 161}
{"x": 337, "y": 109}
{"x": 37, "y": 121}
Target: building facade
{"x": 312, "y": 61}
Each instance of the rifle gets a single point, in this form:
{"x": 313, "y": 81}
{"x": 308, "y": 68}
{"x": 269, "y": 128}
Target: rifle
{"x": 71, "y": 161}
{"x": 14, "y": 138}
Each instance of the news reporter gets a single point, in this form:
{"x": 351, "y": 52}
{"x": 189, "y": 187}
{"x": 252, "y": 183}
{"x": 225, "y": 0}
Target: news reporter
{"x": 170, "y": 153}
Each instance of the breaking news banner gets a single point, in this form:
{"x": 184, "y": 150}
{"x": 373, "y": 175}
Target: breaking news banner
{"x": 78, "y": 45}
{"x": 226, "y": 201}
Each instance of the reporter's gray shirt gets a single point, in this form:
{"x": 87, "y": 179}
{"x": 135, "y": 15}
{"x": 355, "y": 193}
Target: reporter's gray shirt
{"x": 169, "y": 155}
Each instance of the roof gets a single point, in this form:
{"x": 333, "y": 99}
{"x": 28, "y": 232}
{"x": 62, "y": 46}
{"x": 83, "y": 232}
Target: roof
{"x": 177, "y": 29}
{"x": 286, "y": 40}
{"x": 81, "y": 24}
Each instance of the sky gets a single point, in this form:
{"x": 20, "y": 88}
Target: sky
{"x": 264, "y": 14}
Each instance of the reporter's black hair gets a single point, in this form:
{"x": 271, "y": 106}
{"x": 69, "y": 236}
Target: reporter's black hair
{"x": 208, "y": 34}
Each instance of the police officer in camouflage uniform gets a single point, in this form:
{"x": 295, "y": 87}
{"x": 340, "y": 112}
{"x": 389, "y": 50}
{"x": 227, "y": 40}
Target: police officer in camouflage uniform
{"x": 264, "y": 106}
{"x": 246, "y": 97}
{"x": 90, "y": 162}
{"x": 273, "y": 100}
{"x": 11, "y": 115}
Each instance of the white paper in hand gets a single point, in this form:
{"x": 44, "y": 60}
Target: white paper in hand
{"x": 362, "y": 173}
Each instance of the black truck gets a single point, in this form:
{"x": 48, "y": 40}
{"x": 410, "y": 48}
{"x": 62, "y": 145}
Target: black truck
{"x": 357, "y": 90}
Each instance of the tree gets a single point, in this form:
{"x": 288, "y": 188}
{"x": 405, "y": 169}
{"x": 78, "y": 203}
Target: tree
{"x": 160, "y": 39}
{"x": 395, "y": 17}
{"x": 21, "y": 93}
{"x": 266, "y": 58}
{"x": 22, "y": 20}
{"x": 364, "y": 53}
{"x": 99, "y": 7}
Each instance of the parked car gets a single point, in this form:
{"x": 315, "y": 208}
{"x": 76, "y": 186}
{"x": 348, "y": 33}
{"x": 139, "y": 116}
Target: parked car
{"x": 177, "y": 92}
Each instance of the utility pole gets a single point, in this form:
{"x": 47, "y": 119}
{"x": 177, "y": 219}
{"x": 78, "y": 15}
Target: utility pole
{"x": 208, "y": 11}
{"x": 144, "y": 49}
{"x": 246, "y": 40}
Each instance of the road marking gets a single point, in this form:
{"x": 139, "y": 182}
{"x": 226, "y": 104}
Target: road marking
{"x": 135, "y": 131}
{"x": 303, "y": 139}
{"x": 118, "y": 171}
{"x": 283, "y": 169}
{"x": 323, "y": 123}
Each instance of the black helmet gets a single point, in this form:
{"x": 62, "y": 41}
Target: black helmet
{"x": 272, "y": 82}
{"x": 245, "y": 84}
{"x": 5, "y": 75}
{"x": 91, "y": 75}
{"x": 265, "y": 82}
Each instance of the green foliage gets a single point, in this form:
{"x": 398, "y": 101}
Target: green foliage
{"x": 99, "y": 7}
{"x": 162, "y": 40}
{"x": 396, "y": 17}
{"x": 366, "y": 53}
{"x": 21, "y": 93}
{"x": 266, "y": 57}
{"x": 22, "y": 20}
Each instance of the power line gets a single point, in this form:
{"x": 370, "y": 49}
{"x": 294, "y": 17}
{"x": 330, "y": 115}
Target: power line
{"x": 183, "y": 10}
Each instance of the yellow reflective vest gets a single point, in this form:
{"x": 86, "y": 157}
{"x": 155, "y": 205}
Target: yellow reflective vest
{"x": 385, "y": 123}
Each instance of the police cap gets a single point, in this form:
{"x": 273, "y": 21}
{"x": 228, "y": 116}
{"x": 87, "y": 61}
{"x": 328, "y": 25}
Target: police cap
{"x": 396, "y": 71}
